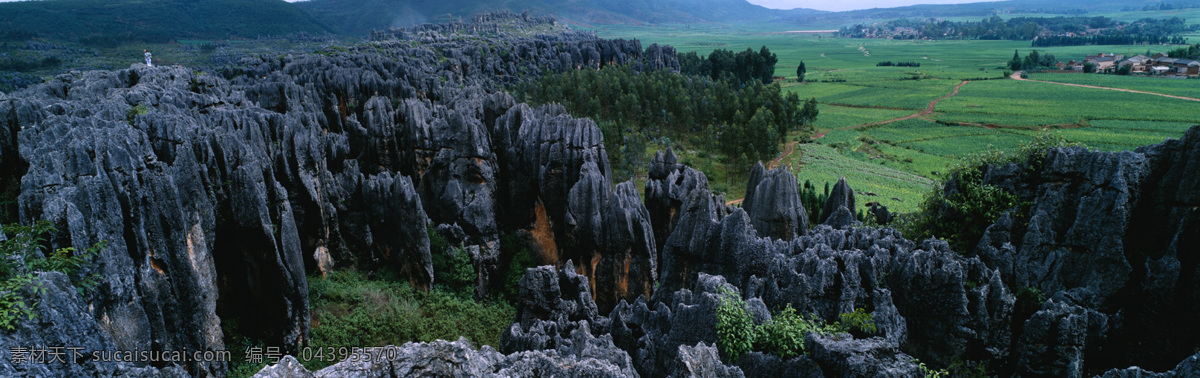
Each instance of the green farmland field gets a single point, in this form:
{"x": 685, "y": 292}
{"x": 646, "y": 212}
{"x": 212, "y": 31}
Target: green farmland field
{"x": 1177, "y": 87}
{"x": 904, "y": 158}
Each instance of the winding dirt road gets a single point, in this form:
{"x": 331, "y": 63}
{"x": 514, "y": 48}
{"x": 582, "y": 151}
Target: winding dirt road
{"x": 791, "y": 147}
{"x": 928, "y": 110}
{"x": 1017, "y": 76}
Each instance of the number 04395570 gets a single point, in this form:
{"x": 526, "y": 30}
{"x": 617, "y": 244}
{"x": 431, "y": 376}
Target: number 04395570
{"x": 353, "y": 354}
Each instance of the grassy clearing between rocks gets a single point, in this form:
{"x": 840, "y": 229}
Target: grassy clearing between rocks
{"x": 351, "y": 309}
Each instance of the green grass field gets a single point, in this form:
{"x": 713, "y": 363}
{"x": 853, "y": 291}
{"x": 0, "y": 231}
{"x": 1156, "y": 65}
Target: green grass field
{"x": 904, "y": 159}
{"x": 872, "y": 181}
{"x": 1176, "y": 87}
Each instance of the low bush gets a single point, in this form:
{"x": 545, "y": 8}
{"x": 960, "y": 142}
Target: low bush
{"x": 350, "y": 309}
{"x": 962, "y": 208}
{"x": 736, "y": 331}
{"x": 132, "y": 113}
{"x": 23, "y": 255}
{"x": 783, "y": 335}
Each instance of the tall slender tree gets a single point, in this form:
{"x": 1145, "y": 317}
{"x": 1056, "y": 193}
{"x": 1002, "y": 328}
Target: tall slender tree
{"x": 800, "y": 70}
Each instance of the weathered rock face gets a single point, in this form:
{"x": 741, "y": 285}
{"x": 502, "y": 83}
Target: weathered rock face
{"x": 839, "y": 208}
{"x": 177, "y": 193}
{"x": 64, "y": 338}
{"x": 862, "y": 358}
{"x": 668, "y": 188}
{"x": 559, "y": 191}
{"x": 773, "y": 203}
{"x": 880, "y": 213}
{"x": 217, "y": 194}
{"x": 1107, "y": 239}
{"x": 458, "y": 359}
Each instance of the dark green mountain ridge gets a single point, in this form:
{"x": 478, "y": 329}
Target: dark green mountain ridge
{"x": 155, "y": 20}
{"x": 361, "y": 16}
{"x": 165, "y": 20}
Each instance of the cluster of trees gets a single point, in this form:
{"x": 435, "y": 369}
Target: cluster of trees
{"x": 27, "y": 65}
{"x": 1031, "y": 61}
{"x": 1120, "y": 39}
{"x": 1043, "y": 31}
{"x": 1187, "y": 52}
{"x": 1161, "y": 7}
{"x": 888, "y": 63}
{"x": 16, "y": 35}
{"x": 724, "y": 64}
{"x": 115, "y": 22}
{"x": 743, "y": 120}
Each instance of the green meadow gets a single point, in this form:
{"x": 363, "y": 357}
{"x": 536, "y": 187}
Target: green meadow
{"x": 898, "y": 161}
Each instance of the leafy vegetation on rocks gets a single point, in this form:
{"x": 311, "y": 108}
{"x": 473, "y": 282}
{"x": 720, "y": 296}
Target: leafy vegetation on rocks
{"x": 783, "y": 335}
{"x": 354, "y": 308}
{"x": 744, "y": 122}
{"x": 962, "y": 208}
{"x": 736, "y": 330}
{"x": 24, "y": 254}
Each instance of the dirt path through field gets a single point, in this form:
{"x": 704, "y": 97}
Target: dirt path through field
{"x": 1017, "y": 76}
{"x": 928, "y": 110}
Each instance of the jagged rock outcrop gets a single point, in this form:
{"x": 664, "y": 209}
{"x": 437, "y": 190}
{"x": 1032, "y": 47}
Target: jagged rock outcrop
{"x": 1189, "y": 367}
{"x": 559, "y": 191}
{"x": 881, "y": 214}
{"x": 668, "y": 188}
{"x": 702, "y": 361}
{"x": 177, "y": 193}
{"x": 218, "y": 193}
{"x": 773, "y": 203}
{"x": 923, "y": 297}
{"x": 953, "y": 307}
{"x": 861, "y": 358}
{"x": 1106, "y": 238}
{"x": 556, "y": 312}
{"x": 839, "y": 208}
{"x": 65, "y": 340}
{"x": 442, "y": 358}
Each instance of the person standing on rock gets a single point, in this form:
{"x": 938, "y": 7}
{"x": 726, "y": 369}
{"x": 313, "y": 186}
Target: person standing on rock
{"x": 147, "y": 58}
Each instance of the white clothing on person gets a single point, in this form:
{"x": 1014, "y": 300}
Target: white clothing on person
{"x": 148, "y": 60}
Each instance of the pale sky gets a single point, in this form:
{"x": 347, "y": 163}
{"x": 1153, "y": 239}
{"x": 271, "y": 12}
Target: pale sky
{"x": 844, "y": 5}
{"x": 825, "y": 5}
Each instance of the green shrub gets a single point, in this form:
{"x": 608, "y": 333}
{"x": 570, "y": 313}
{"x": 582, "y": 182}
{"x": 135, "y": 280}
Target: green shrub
{"x": 929, "y": 372}
{"x": 783, "y": 335}
{"x": 452, "y": 270}
{"x": 21, "y": 259}
{"x": 859, "y": 320}
{"x": 961, "y": 209}
{"x": 520, "y": 261}
{"x": 350, "y": 309}
{"x": 237, "y": 342}
{"x": 132, "y": 113}
{"x": 736, "y": 331}
{"x": 1032, "y": 294}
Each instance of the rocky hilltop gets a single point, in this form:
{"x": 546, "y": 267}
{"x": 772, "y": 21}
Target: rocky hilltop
{"x": 218, "y": 192}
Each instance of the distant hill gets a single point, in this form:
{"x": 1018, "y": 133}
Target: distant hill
{"x": 987, "y": 8}
{"x": 361, "y": 16}
{"x": 154, "y": 20}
